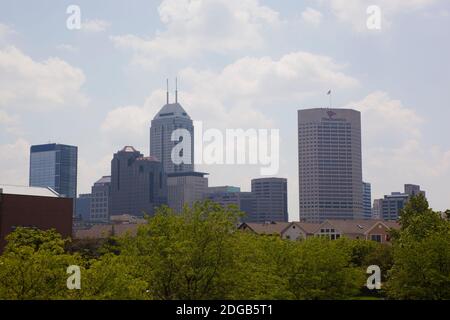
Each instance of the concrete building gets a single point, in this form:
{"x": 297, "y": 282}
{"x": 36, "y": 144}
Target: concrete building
{"x": 54, "y": 166}
{"x": 330, "y": 165}
{"x": 171, "y": 117}
{"x": 138, "y": 183}
{"x": 244, "y": 201}
{"x": 83, "y": 207}
{"x": 391, "y": 205}
{"x": 367, "y": 200}
{"x": 100, "y": 200}
{"x": 34, "y": 207}
{"x": 271, "y": 200}
{"x": 185, "y": 188}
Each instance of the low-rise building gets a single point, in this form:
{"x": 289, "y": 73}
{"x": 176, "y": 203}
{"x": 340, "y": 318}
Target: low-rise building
{"x": 34, "y": 207}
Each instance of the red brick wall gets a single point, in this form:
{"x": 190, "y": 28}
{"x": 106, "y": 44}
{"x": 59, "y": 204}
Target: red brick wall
{"x": 40, "y": 212}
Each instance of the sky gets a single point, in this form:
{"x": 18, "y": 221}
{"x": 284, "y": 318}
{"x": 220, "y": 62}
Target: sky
{"x": 240, "y": 64}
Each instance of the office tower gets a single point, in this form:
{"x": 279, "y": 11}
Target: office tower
{"x": 367, "y": 200}
{"x": 83, "y": 207}
{"x": 138, "y": 183}
{"x": 330, "y": 165}
{"x": 244, "y": 201}
{"x": 101, "y": 192}
{"x": 54, "y": 166}
{"x": 271, "y": 200}
{"x": 171, "y": 117}
{"x": 414, "y": 190}
{"x": 391, "y": 205}
{"x": 185, "y": 188}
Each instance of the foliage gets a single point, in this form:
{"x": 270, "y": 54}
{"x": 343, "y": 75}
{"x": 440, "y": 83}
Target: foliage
{"x": 201, "y": 254}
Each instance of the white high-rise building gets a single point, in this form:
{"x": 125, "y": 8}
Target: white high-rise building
{"x": 330, "y": 165}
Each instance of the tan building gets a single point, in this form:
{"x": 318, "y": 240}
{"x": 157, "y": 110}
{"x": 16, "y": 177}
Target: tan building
{"x": 185, "y": 188}
{"x": 375, "y": 230}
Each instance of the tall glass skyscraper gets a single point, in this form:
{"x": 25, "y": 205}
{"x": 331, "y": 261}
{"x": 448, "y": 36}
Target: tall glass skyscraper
{"x": 55, "y": 166}
{"x": 171, "y": 117}
{"x": 271, "y": 200}
{"x": 330, "y": 165}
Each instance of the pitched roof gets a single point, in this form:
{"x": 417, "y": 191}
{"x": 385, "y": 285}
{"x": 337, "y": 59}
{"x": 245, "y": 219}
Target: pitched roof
{"x": 106, "y": 230}
{"x": 309, "y": 228}
{"x": 29, "y": 191}
{"x": 172, "y": 110}
{"x": 358, "y": 226}
{"x": 268, "y": 228}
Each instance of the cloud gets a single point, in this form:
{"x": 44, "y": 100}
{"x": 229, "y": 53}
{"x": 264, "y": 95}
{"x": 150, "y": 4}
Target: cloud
{"x": 354, "y": 13}
{"x": 236, "y": 96}
{"x": 37, "y": 86}
{"x": 95, "y": 26}
{"x": 14, "y": 162}
{"x": 196, "y": 27}
{"x": 5, "y": 30}
{"x": 312, "y": 17}
{"x": 395, "y": 151}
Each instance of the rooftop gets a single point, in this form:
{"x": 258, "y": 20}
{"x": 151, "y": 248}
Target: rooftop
{"x": 28, "y": 191}
{"x": 172, "y": 110}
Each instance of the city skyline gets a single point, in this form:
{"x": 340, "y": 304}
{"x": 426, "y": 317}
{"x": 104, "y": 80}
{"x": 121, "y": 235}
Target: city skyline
{"x": 243, "y": 81}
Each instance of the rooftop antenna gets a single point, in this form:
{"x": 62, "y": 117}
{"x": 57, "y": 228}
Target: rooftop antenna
{"x": 176, "y": 90}
{"x": 167, "y": 91}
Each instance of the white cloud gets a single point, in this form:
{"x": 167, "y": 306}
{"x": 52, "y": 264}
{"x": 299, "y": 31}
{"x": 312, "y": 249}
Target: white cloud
{"x": 312, "y": 17}
{"x": 5, "y": 31}
{"x": 14, "y": 162}
{"x": 236, "y": 96}
{"x": 36, "y": 86}
{"x": 395, "y": 151}
{"x": 95, "y": 25}
{"x": 195, "y": 27}
{"x": 354, "y": 11}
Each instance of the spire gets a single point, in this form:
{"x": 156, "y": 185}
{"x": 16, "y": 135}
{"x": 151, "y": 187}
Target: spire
{"x": 176, "y": 90}
{"x": 167, "y": 91}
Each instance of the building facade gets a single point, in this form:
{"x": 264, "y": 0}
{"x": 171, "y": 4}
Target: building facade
{"x": 391, "y": 205}
{"x": 54, "y": 166}
{"x": 185, "y": 188}
{"x": 330, "y": 164}
{"x": 100, "y": 200}
{"x": 171, "y": 117}
{"x": 271, "y": 200}
{"x": 244, "y": 201}
{"x": 367, "y": 200}
{"x": 138, "y": 183}
{"x": 34, "y": 207}
{"x": 83, "y": 207}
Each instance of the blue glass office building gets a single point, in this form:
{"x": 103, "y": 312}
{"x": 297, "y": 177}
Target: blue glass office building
{"x": 55, "y": 166}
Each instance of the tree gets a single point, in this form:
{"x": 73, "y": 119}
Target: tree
{"x": 421, "y": 267}
{"x": 33, "y": 265}
{"x": 183, "y": 256}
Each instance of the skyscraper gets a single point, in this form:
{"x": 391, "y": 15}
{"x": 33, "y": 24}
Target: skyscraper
{"x": 330, "y": 165}
{"x": 271, "y": 200}
{"x": 171, "y": 117}
{"x": 367, "y": 200}
{"x": 55, "y": 166}
{"x": 391, "y": 205}
{"x": 138, "y": 183}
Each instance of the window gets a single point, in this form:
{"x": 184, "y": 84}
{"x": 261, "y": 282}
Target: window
{"x": 375, "y": 237}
